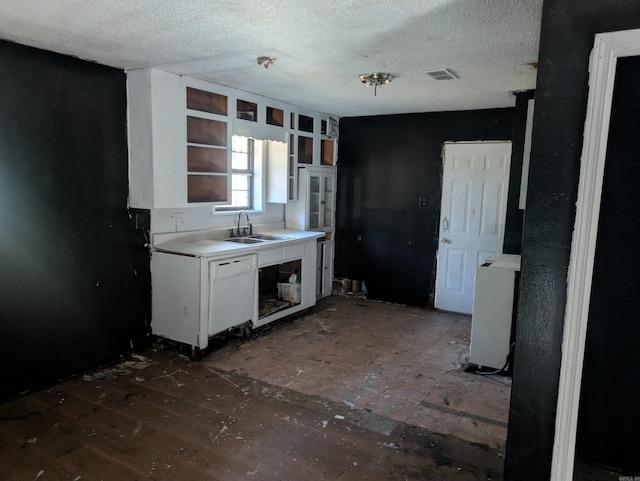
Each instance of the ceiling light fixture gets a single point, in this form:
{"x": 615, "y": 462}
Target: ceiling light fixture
{"x": 265, "y": 61}
{"x": 376, "y": 79}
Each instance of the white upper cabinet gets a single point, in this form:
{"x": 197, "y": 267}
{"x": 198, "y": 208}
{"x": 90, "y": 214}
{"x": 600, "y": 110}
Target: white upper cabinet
{"x": 208, "y": 141}
{"x": 315, "y": 209}
{"x": 157, "y": 139}
{"x": 180, "y": 133}
{"x": 179, "y": 138}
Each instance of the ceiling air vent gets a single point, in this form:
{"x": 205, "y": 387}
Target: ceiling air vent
{"x": 444, "y": 74}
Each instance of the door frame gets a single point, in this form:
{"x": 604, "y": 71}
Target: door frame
{"x": 608, "y": 47}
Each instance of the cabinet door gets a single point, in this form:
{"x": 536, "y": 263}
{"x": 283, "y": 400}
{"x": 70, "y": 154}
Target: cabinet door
{"x": 292, "y": 169}
{"x": 278, "y": 178}
{"x": 175, "y": 300}
{"x": 325, "y": 269}
{"x": 327, "y": 202}
{"x": 315, "y": 205}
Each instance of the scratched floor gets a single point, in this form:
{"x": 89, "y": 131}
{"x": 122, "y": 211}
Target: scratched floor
{"x": 354, "y": 390}
{"x": 406, "y": 364}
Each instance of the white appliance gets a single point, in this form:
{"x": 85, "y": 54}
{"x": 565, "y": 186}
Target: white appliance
{"x": 493, "y": 310}
{"x": 232, "y": 296}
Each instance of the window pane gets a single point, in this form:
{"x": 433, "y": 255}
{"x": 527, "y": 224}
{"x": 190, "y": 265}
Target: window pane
{"x": 240, "y": 144}
{"x": 240, "y": 182}
{"x": 240, "y": 161}
{"x": 242, "y": 174}
{"x": 241, "y": 198}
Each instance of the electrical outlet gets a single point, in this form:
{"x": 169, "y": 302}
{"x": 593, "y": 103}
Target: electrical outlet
{"x": 177, "y": 220}
{"x": 140, "y": 221}
{"x": 424, "y": 201}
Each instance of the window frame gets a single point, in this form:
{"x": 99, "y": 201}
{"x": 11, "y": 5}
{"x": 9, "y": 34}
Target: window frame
{"x": 250, "y": 172}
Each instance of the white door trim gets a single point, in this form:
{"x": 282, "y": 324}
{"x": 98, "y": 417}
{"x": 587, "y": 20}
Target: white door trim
{"x": 608, "y": 47}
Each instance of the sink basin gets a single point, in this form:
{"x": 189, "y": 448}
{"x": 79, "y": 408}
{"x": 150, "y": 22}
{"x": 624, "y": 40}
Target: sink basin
{"x": 267, "y": 237}
{"x": 244, "y": 240}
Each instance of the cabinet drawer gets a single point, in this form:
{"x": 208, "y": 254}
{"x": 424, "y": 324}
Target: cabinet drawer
{"x": 270, "y": 256}
{"x": 232, "y": 267}
{"x": 293, "y": 252}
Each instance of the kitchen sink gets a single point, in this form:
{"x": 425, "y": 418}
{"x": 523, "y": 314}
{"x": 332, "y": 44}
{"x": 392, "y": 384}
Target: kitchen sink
{"x": 244, "y": 240}
{"x": 267, "y": 237}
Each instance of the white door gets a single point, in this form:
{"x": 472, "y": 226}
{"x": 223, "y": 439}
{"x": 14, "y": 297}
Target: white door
{"x": 472, "y": 215}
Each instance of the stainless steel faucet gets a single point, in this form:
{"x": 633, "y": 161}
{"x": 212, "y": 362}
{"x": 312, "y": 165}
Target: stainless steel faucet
{"x": 238, "y": 233}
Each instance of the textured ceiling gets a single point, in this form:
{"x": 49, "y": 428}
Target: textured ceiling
{"x": 321, "y": 46}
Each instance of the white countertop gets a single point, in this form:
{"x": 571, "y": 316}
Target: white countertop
{"x": 223, "y": 248}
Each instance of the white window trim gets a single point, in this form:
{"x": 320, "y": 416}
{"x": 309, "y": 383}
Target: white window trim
{"x": 259, "y": 181}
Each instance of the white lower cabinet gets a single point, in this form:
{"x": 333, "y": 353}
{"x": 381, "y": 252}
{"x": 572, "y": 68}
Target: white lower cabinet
{"x": 176, "y": 299}
{"x": 194, "y": 298}
{"x": 277, "y": 296}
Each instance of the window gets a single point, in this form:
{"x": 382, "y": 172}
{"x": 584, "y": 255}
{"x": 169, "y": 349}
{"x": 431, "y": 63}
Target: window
{"x": 248, "y": 175}
{"x": 242, "y": 177}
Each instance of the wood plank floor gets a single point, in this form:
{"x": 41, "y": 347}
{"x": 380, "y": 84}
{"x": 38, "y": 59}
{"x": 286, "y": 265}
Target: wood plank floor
{"x": 168, "y": 418}
{"x": 406, "y": 364}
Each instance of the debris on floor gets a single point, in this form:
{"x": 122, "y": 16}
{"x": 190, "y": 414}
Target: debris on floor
{"x": 138, "y": 362}
{"x": 349, "y": 287}
{"x": 106, "y": 374}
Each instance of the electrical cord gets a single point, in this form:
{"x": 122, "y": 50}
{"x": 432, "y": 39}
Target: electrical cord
{"x": 496, "y": 371}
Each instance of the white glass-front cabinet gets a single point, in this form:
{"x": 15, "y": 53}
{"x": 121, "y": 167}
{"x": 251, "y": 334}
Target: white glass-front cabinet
{"x": 315, "y": 207}
{"x": 321, "y": 200}
{"x": 315, "y": 210}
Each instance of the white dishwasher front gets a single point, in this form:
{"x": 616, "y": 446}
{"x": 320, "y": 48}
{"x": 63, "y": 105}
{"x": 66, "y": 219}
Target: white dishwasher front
{"x": 232, "y": 292}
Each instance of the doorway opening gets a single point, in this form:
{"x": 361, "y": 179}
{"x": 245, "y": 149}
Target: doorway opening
{"x": 608, "y": 47}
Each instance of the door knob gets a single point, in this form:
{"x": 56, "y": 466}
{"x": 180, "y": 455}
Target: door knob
{"x": 444, "y": 240}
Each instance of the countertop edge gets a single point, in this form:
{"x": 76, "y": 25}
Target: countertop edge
{"x": 220, "y": 248}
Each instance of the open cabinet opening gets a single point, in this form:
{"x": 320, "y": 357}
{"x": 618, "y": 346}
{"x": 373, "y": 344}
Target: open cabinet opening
{"x": 277, "y": 289}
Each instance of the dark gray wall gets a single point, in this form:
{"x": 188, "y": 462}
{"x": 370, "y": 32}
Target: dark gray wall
{"x": 385, "y": 164}
{"x": 567, "y": 34}
{"x": 74, "y": 276}
{"x": 515, "y": 215}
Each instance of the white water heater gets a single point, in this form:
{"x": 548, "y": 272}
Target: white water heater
{"x": 493, "y": 310}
